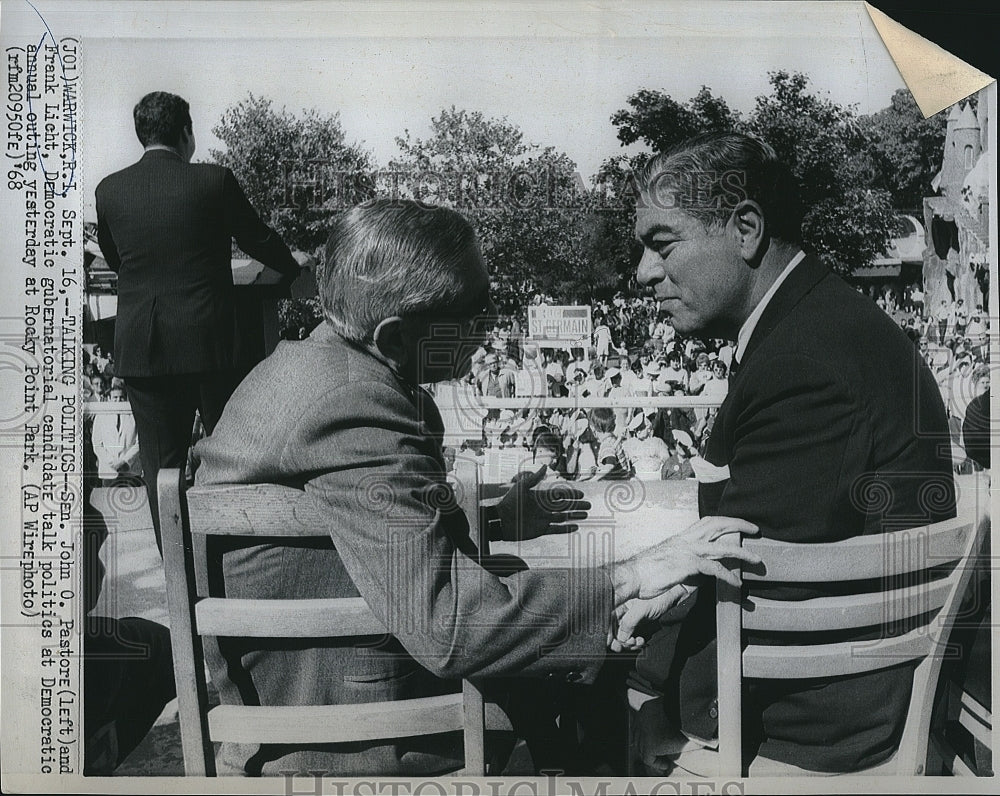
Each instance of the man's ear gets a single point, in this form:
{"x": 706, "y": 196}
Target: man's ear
{"x": 389, "y": 337}
{"x": 750, "y": 230}
{"x": 187, "y": 142}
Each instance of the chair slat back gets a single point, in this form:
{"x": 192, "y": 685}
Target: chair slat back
{"x": 335, "y": 617}
{"x": 253, "y": 510}
{"x": 841, "y": 613}
{"x": 929, "y": 606}
{"x": 314, "y": 724}
{"x": 257, "y": 513}
{"x": 862, "y": 557}
{"x": 833, "y": 660}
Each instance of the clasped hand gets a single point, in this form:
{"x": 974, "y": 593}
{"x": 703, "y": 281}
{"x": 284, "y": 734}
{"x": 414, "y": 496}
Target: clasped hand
{"x": 660, "y": 578}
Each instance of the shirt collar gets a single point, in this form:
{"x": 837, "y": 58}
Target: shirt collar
{"x": 746, "y": 331}
{"x": 161, "y": 148}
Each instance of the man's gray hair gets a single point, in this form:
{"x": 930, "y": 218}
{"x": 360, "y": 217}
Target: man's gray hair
{"x": 389, "y": 257}
{"x": 710, "y": 174}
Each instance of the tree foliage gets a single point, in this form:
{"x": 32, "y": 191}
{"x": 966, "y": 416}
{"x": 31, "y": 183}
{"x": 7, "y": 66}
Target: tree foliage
{"x": 848, "y": 222}
{"x": 908, "y": 148}
{"x": 296, "y": 170}
{"x": 541, "y": 228}
{"x": 849, "y": 218}
{"x": 536, "y": 221}
{"x": 661, "y": 122}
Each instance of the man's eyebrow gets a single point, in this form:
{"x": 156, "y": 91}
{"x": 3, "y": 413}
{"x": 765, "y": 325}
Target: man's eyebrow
{"x": 655, "y": 230}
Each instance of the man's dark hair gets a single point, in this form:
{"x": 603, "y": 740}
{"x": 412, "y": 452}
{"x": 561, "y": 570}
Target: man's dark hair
{"x": 160, "y": 118}
{"x": 548, "y": 440}
{"x": 602, "y": 418}
{"x": 710, "y": 174}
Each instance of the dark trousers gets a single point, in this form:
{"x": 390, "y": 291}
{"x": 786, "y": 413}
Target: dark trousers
{"x": 128, "y": 676}
{"x": 164, "y": 410}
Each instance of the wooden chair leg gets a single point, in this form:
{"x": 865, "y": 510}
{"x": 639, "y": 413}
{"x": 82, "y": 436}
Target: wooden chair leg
{"x": 569, "y": 730}
{"x": 189, "y": 671}
{"x": 631, "y": 755}
{"x": 474, "y": 730}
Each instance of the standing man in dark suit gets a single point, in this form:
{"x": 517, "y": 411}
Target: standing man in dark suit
{"x": 833, "y": 427}
{"x": 165, "y": 226}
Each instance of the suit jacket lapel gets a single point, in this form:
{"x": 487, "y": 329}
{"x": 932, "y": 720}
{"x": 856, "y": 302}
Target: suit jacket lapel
{"x": 799, "y": 282}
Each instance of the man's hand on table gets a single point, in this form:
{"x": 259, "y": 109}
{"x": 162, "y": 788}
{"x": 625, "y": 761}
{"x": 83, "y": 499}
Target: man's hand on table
{"x": 676, "y": 560}
{"x": 527, "y": 513}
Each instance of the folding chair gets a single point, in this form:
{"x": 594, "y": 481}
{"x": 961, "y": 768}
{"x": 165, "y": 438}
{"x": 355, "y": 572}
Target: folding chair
{"x": 187, "y": 518}
{"x": 932, "y": 607}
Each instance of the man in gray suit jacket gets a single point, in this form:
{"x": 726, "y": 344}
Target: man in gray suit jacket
{"x": 341, "y": 415}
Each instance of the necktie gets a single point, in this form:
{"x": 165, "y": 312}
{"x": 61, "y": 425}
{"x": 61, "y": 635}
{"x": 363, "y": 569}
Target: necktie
{"x": 733, "y": 369}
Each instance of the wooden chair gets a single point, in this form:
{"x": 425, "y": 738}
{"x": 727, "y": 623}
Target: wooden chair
{"x": 932, "y": 605}
{"x": 187, "y": 517}
{"x": 974, "y": 718}
{"x": 961, "y": 742}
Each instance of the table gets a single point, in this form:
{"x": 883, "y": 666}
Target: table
{"x": 626, "y": 517}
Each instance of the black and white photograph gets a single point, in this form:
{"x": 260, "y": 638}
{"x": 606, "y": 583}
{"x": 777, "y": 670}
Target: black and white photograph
{"x": 495, "y": 398}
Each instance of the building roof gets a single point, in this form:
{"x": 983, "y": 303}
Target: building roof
{"x": 967, "y": 119}
{"x": 882, "y": 268}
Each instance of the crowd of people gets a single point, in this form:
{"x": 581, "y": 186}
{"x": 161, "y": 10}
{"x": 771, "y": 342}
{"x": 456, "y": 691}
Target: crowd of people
{"x": 634, "y": 351}
{"x": 954, "y": 340}
{"x": 651, "y": 444}
{"x": 98, "y": 374}
{"x": 947, "y": 322}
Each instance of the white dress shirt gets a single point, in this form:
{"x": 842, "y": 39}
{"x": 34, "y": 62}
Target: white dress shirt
{"x": 746, "y": 331}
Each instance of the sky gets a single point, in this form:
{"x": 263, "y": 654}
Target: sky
{"x": 557, "y": 71}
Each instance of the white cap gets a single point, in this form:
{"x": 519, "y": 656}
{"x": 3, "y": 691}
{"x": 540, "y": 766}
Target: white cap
{"x": 682, "y": 437}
